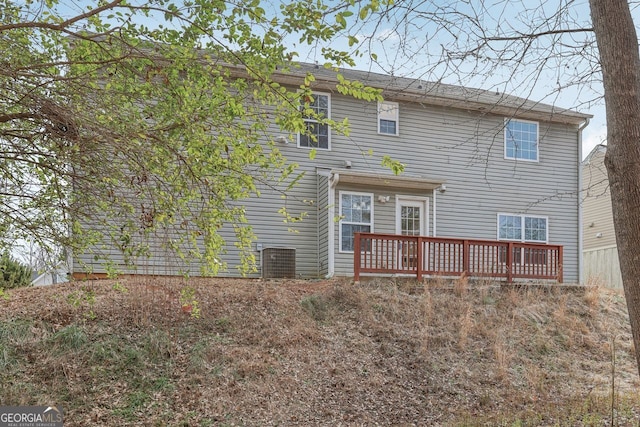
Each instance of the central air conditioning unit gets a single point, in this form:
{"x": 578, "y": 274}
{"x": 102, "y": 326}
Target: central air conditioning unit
{"x": 279, "y": 263}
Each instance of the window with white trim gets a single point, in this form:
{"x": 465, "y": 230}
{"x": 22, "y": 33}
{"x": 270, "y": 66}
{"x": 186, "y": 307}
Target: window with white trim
{"x": 356, "y": 215}
{"x": 521, "y": 140}
{"x": 523, "y": 228}
{"x": 317, "y": 135}
{"x": 388, "y": 114}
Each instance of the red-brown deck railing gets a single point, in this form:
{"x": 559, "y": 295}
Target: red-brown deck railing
{"x": 419, "y": 256}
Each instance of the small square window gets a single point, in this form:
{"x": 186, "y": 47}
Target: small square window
{"x": 388, "y": 127}
{"x": 388, "y": 113}
{"x": 509, "y": 227}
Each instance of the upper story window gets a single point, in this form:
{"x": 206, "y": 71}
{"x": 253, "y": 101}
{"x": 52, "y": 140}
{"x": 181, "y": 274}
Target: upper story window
{"x": 523, "y": 228}
{"x": 356, "y": 215}
{"x": 521, "y": 140}
{"x": 388, "y": 113}
{"x": 317, "y": 135}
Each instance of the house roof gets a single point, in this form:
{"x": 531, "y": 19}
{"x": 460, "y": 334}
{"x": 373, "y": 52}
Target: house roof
{"x": 600, "y": 148}
{"x": 397, "y": 88}
{"x": 432, "y": 93}
{"x": 408, "y": 89}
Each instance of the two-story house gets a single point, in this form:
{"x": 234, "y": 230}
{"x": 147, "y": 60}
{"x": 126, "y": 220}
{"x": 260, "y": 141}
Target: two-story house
{"x": 478, "y": 165}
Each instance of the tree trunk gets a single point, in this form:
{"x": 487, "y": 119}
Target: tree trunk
{"x": 620, "y": 62}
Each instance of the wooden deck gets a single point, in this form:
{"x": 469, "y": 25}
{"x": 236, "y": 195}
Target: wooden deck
{"x": 439, "y": 256}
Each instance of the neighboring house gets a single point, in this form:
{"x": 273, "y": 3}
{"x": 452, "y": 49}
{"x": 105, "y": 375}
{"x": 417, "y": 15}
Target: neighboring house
{"x": 52, "y": 276}
{"x": 600, "y": 254}
{"x": 478, "y": 165}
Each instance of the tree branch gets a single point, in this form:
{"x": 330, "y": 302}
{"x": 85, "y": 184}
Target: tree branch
{"x": 537, "y": 35}
{"x": 63, "y": 25}
{"x": 4, "y": 118}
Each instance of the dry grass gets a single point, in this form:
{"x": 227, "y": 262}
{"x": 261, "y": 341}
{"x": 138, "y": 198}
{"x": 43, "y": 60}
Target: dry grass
{"x": 593, "y": 291}
{"x": 466, "y": 325}
{"x": 318, "y": 353}
{"x": 461, "y": 285}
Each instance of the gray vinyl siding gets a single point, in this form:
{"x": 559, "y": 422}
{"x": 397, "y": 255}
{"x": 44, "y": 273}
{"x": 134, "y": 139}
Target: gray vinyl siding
{"x": 272, "y": 230}
{"x": 467, "y": 151}
{"x": 108, "y": 257}
{"x": 596, "y": 205}
{"x": 267, "y": 223}
{"x": 463, "y": 148}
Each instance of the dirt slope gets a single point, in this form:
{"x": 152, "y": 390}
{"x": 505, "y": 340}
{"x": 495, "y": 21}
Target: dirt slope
{"x": 325, "y": 353}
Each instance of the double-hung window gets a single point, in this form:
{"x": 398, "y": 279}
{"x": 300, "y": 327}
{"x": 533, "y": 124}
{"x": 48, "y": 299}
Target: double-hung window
{"x": 316, "y": 135}
{"x": 524, "y": 228}
{"x": 356, "y": 215}
{"x": 521, "y": 140}
{"x": 388, "y": 113}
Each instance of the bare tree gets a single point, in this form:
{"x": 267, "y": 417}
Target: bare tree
{"x": 546, "y": 50}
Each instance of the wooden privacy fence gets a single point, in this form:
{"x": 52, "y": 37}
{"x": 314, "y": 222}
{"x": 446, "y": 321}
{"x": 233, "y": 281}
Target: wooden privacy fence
{"x": 419, "y": 256}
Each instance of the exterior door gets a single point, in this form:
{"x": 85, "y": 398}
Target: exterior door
{"x": 411, "y": 220}
{"x": 411, "y": 217}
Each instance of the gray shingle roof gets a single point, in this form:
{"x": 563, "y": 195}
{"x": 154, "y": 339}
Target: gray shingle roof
{"x": 414, "y": 90}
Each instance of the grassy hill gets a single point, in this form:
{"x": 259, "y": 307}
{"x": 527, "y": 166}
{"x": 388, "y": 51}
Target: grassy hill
{"x": 115, "y": 353}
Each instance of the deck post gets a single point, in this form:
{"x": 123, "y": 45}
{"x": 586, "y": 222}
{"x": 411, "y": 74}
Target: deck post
{"x": 465, "y": 258}
{"x": 560, "y": 264}
{"x": 510, "y": 262}
{"x": 356, "y": 257}
{"x": 419, "y": 266}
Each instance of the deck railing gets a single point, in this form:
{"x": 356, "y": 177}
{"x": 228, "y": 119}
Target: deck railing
{"x": 440, "y": 256}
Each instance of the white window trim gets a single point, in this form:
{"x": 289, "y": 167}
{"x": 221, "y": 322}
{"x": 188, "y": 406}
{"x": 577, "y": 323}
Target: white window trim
{"x": 423, "y": 202}
{"x": 328, "y": 95}
{"x": 506, "y": 123}
{"x": 355, "y": 193}
{"x": 396, "y": 119}
{"x": 522, "y": 223}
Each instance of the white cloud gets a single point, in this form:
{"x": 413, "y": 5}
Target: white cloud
{"x": 383, "y": 35}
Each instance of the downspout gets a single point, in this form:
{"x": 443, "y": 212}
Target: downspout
{"x": 333, "y": 182}
{"x": 70, "y": 267}
{"x": 434, "y": 191}
{"x": 580, "y": 224}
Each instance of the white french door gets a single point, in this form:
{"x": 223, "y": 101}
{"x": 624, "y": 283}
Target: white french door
{"x": 411, "y": 220}
{"x": 411, "y": 216}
